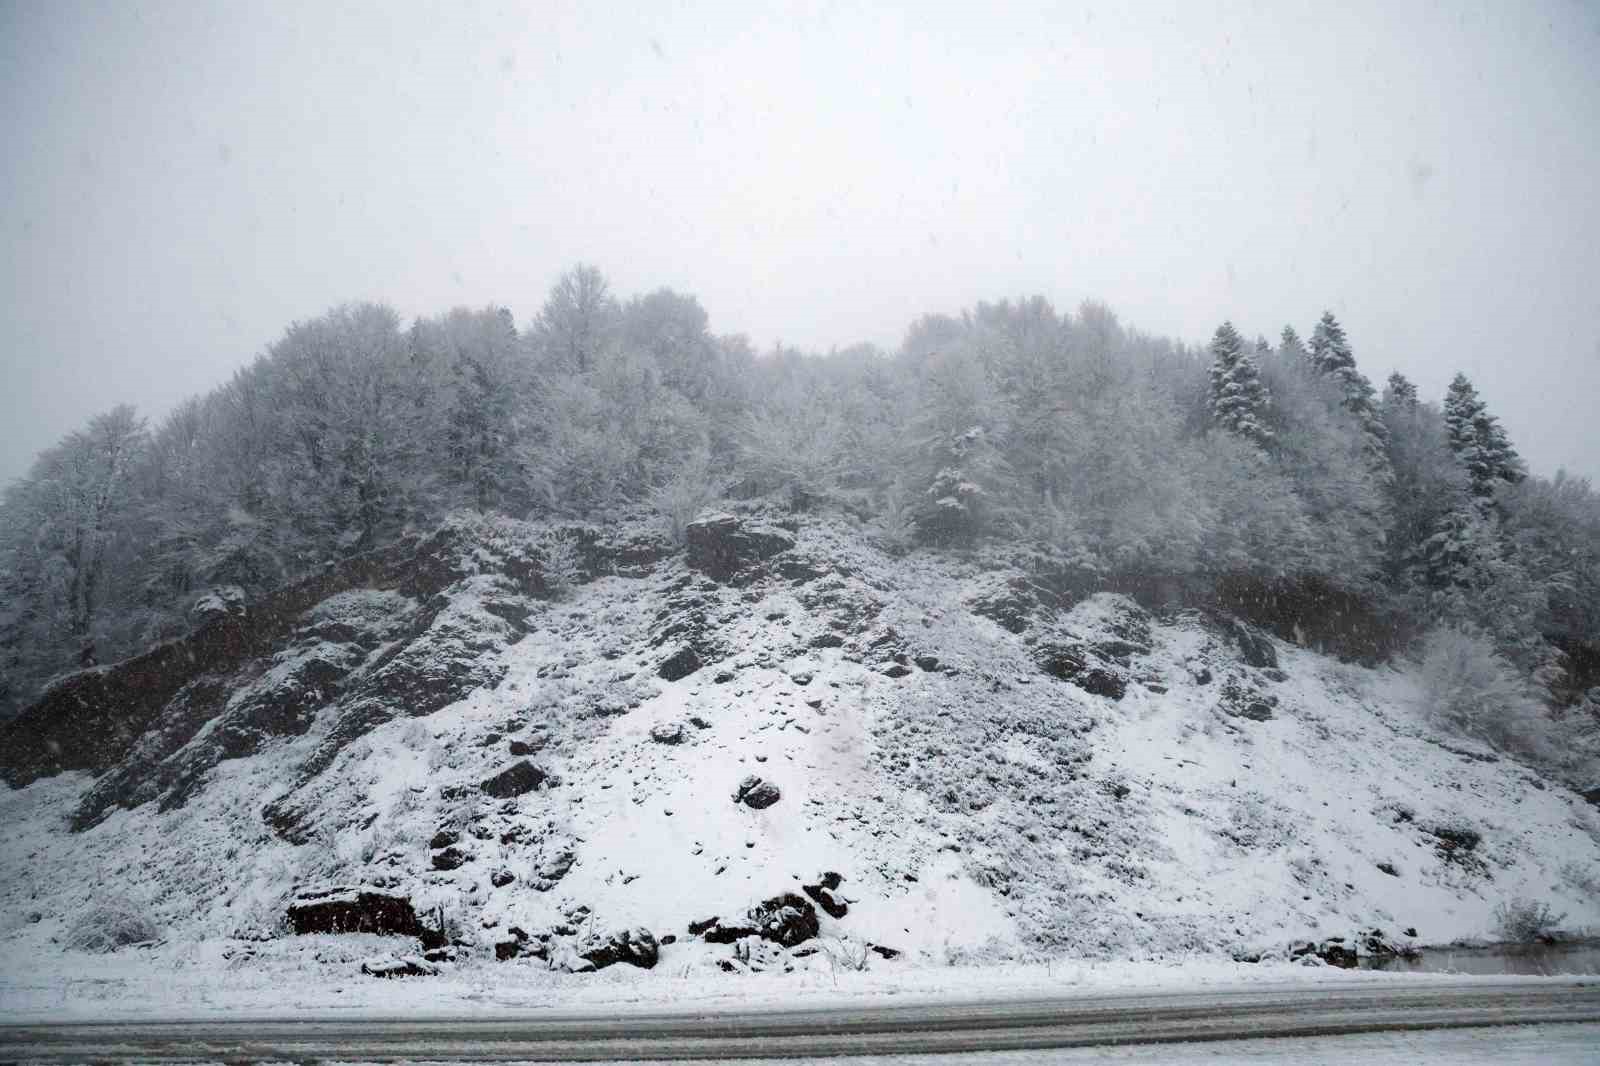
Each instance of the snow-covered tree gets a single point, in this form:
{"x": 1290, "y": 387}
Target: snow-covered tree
{"x": 1331, "y": 357}
{"x": 1478, "y": 440}
{"x": 1238, "y": 398}
{"x": 1400, "y": 392}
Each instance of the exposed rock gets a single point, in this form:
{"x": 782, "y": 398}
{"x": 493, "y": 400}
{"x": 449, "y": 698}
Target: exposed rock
{"x": 827, "y": 640}
{"x": 515, "y": 780}
{"x": 698, "y": 722}
{"x": 443, "y": 839}
{"x": 450, "y": 859}
{"x": 667, "y": 733}
{"x": 722, "y": 546}
{"x": 755, "y": 792}
{"x": 501, "y": 877}
{"x": 786, "y": 919}
{"x": 896, "y": 670}
{"x": 532, "y": 746}
{"x": 554, "y": 869}
{"x": 928, "y": 663}
{"x": 822, "y": 894}
{"x": 723, "y": 677}
{"x": 1332, "y": 951}
{"x": 636, "y": 946}
{"x": 884, "y": 952}
{"x": 680, "y": 665}
{"x": 353, "y": 910}
{"x": 1076, "y": 665}
{"x": 1254, "y": 648}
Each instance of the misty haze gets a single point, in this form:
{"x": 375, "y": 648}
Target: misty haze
{"x": 768, "y": 532}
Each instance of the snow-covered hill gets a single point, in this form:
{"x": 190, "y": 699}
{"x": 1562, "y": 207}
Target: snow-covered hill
{"x": 993, "y": 774}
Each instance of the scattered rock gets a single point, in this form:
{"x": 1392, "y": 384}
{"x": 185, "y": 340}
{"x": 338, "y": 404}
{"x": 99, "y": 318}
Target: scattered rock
{"x": 785, "y": 919}
{"x": 501, "y": 877}
{"x": 723, "y": 677}
{"x": 827, "y": 640}
{"x": 801, "y": 677}
{"x": 400, "y": 966}
{"x": 1389, "y": 868}
{"x": 515, "y": 780}
{"x": 667, "y": 733}
{"x": 897, "y": 670}
{"x": 443, "y": 839}
{"x": 698, "y": 722}
{"x": 1331, "y": 951}
{"x": 528, "y": 747}
{"x": 927, "y": 663}
{"x": 884, "y": 952}
{"x": 757, "y": 793}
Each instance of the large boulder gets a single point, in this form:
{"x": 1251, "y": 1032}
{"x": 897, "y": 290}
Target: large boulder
{"x": 518, "y": 778}
{"x": 637, "y": 947}
{"x": 722, "y": 546}
{"x": 786, "y": 919}
{"x": 342, "y": 909}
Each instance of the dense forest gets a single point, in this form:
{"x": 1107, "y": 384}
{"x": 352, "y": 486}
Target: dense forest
{"x": 1069, "y": 438}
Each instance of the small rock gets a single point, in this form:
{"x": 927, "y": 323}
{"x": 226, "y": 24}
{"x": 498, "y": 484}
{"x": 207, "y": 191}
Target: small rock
{"x": 502, "y": 877}
{"x": 801, "y": 677}
{"x": 884, "y": 952}
{"x": 401, "y": 966}
{"x": 897, "y": 670}
{"x": 723, "y": 677}
{"x": 443, "y": 839}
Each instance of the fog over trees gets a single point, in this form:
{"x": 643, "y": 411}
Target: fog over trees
{"x": 1072, "y": 439}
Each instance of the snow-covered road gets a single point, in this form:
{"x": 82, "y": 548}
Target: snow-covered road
{"x": 1169, "y": 1018}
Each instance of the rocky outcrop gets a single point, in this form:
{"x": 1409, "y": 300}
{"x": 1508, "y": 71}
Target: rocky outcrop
{"x": 727, "y": 548}
{"x": 343, "y": 909}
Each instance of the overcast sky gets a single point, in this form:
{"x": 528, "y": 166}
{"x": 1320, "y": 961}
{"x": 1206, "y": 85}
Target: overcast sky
{"x": 180, "y": 181}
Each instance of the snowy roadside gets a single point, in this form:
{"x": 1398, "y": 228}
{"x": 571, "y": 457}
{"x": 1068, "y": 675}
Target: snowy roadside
{"x": 206, "y": 981}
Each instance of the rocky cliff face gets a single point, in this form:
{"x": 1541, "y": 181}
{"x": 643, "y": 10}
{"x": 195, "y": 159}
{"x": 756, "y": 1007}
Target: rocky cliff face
{"x": 782, "y": 733}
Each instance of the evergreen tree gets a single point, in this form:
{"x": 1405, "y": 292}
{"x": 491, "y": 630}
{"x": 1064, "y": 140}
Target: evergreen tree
{"x": 1331, "y": 357}
{"x": 1238, "y": 398}
{"x": 1478, "y": 440}
{"x": 1401, "y": 393}
{"x": 1291, "y": 346}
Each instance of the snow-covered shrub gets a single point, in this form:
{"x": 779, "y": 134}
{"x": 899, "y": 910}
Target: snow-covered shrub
{"x": 563, "y": 564}
{"x": 1581, "y": 878}
{"x": 1524, "y": 921}
{"x": 845, "y": 955}
{"x": 681, "y": 497}
{"x": 1469, "y": 688}
{"x": 114, "y": 922}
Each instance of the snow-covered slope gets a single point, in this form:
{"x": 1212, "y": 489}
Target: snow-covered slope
{"x": 992, "y": 777}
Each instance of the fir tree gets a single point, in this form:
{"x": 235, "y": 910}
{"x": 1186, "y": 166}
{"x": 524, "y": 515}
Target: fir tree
{"x": 1401, "y": 393}
{"x": 1331, "y": 357}
{"x": 1238, "y": 398}
{"x": 1478, "y": 440}
{"x": 1291, "y": 346}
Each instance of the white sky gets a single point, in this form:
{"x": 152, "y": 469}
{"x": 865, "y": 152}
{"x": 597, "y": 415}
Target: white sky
{"x": 179, "y": 181}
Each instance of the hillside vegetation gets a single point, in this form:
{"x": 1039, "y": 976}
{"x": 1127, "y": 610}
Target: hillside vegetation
{"x": 1037, "y": 637}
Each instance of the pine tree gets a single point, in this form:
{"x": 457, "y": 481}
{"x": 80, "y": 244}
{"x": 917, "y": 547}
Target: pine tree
{"x": 1331, "y": 357}
{"x": 1478, "y": 441}
{"x": 1238, "y": 398}
{"x": 1401, "y": 393}
{"x": 1291, "y": 346}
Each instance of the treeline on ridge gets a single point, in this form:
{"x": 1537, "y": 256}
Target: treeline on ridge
{"x": 1083, "y": 444}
